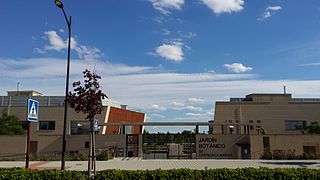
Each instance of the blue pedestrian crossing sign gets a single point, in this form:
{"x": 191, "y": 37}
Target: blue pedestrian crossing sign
{"x": 33, "y": 110}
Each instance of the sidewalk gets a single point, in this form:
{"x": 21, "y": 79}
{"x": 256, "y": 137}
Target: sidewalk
{"x": 137, "y": 164}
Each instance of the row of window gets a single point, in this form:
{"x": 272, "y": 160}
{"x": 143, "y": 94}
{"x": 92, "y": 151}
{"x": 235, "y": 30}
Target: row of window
{"x": 77, "y": 127}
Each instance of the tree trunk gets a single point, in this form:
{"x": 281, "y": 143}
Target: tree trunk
{"x": 94, "y": 153}
{"x": 90, "y": 152}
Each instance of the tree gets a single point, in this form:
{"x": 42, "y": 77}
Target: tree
{"x": 86, "y": 99}
{"x": 9, "y": 125}
{"x": 145, "y": 131}
{"x": 313, "y": 128}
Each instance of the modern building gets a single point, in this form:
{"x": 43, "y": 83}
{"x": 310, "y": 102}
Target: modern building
{"x": 266, "y": 122}
{"x": 46, "y": 134}
{"x": 259, "y": 125}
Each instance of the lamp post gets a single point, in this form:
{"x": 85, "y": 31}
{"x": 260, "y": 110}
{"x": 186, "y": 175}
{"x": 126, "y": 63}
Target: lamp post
{"x": 64, "y": 142}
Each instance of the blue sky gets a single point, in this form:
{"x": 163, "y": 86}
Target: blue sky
{"x": 170, "y": 58}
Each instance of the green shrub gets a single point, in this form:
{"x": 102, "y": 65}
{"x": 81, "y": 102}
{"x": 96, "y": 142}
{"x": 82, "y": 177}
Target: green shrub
{"x": 104, "y": 155}
{"x": 29, "y": 174}
{"x": 225, "y": 174}
{"x": 80, "y": 156}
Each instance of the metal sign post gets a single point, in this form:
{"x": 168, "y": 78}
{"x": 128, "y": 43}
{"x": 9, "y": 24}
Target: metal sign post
{"x": 32, "y": 116}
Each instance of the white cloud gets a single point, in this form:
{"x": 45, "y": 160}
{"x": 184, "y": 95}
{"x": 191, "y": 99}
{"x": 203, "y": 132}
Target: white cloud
{"x": 53, "y": 68}
{"x": 207, "y": 115}
{"x": 311, "y": 64}
{"x": 155, "y": 115}
{"x": 172, "y": 52}
{"x": 157, "y": 108}
{"x": 177, "y": 105}
{"x": 39, "y": 51}
{"x": 58, "y": 44}
{"x": 164, "y": 6}
{"x": 268, "y": 12}
{"x": 195, "y": 100}
{"x": 181, "y": 106}
{"x": 224, "y": 6}
{"x": 194, "y": 114}
{"x": 193, "y": 108}
{"x": 237, "y": 67}
{"x": 187, "y": 35}
{"x": 165, "y": 32}
{"x": 145, "y": 87}
{"x": 88, "y": 53}
{"x": 273, "y": 8}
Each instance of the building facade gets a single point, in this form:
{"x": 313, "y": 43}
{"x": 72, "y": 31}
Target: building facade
{"x": 46, "y": 134}
{"x": 266, "y": 123}
{"x": 257, "y": 126}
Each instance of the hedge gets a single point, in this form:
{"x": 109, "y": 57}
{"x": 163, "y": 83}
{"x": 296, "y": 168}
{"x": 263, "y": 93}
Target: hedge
{"x": 245, "y": 173}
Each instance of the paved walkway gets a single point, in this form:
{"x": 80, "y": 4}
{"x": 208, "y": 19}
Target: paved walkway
{"x": 136, "y": 164}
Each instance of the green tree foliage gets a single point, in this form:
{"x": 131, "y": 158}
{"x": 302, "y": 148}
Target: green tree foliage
{"x": 313, "y": 128}
{"x": 9, "y": 125}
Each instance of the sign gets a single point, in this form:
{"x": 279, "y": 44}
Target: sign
{"x": 210, "y": 146}
{"x": 33, "y": 110}
{"x": 96, "y": 125}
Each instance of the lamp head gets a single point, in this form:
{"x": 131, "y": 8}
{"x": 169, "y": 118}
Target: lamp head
{"x": 58, "y": 3}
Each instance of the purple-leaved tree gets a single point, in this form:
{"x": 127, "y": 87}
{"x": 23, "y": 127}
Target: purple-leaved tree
{"x": 86, "y": 99}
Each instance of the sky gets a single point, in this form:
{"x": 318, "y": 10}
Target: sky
{"x": 172, "y": 59}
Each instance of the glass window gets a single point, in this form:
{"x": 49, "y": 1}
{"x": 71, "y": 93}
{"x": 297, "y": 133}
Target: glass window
{"x": 128, "y": 130}
{"x": 80, "y": 127}
{"x": 294, "y": 124}
{"x": 47, "y": 125}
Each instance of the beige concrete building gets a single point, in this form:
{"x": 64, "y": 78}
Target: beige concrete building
{"x": 265, "y": 113}
{"x": 270, "y": 122}
{"x": 46, "y": 134}
{"x": 243, "y": 128}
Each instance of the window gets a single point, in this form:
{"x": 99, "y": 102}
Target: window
{"x": 258, "y": 121}
{"x": 79, "y": 127}
{"x": 47, "y": 125}
{"x": 294, "y": 124}
{"x": 251, "y": 121}
{"x": 128, "y": 129}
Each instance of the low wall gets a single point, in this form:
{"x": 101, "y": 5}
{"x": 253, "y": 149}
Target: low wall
{"x": 12, "y": 147}
{"x": 285, "y": 143}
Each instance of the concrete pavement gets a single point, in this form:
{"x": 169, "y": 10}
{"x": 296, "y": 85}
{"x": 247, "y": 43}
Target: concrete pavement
{"x": 137, "y": 164}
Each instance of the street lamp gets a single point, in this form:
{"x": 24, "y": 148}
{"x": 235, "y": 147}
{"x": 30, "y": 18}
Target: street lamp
{"x": 64, "y": 142}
